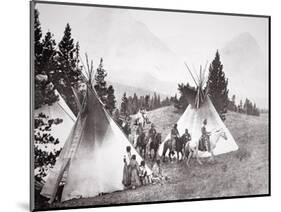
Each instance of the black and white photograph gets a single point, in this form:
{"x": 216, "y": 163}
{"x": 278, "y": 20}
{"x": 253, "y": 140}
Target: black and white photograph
{"x": 140, "y": 105}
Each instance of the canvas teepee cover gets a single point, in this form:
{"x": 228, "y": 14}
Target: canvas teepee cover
{"x": 200, "y": 108}
{"x": 59, "y": 131}
{"x": 92, "y": 155}
{"x": 192, "y": 120}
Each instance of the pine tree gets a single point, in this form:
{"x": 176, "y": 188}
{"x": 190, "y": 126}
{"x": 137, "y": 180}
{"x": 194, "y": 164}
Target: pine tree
{"x": 217, "y": 84}
{"x": 135, "y": 106}
{"x": 110, "y": 100}
{"x": 44, "y": 51}
{"x": 49, "y": 64}
{"x": 158, "y": 101}
{"x": 124, "y": 105}
{"x": 146, "y": 102}
{"x": 100, "y": 85}
{"x": 38, "y": 46}
{"x": 231, "y": 104}
{"x": 68, "y": 51}
{"x": 68, "y": 73}
{"x": 130, "y": 105}
{"x": 184, "y": 91}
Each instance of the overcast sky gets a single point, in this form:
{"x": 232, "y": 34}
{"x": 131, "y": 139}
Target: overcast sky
{"x": 194, "y": 38}
{"x": 177, "y": 30}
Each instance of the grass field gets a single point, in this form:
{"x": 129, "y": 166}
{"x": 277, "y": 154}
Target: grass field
{"x": 244, "y": 172}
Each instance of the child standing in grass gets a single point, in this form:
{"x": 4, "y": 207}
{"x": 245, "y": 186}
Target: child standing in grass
{"x": 157, "y": 175}
{"x": 144, "y": 177}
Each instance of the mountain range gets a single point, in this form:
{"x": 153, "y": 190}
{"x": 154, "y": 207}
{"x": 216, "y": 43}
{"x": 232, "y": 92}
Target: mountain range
{"x": 137, "y": 59}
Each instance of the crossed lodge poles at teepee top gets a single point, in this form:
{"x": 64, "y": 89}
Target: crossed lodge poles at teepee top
{"x": 199, "y": 109}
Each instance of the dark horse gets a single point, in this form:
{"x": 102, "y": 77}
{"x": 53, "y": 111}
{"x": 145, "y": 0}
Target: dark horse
{"x": 179, "y": 147}
{"x": 141, "y": 144}
{"x": 180, "y": 144}
{"x": 168, "y": 146}
{"x": 154, "y": 145}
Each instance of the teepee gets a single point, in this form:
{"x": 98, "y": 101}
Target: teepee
{"x": 92, "y": 157}
{"x": 200, "y": 108}
{"x": 58, "y": 110}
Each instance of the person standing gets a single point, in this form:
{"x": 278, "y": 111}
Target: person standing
{"x": 174, "y": 135}
{"x": 127, "y": 169}
{"x": 144, "y": 177}
{"x": 157, "y": 173}
{"x": 135, "y": 180}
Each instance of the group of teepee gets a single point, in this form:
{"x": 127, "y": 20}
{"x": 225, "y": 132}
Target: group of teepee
{"x": 201, "y": 108}
{"x": 91, "y": 161}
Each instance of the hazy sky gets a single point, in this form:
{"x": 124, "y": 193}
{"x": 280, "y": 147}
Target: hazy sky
{"x": 181, "y": 30}
{"x": 178, "y": 31}
{"x": 193, "y": 38}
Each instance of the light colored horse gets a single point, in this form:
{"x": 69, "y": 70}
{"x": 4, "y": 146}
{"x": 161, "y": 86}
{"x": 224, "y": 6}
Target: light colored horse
{"x": 140, "y": 119}
{"x": 192, "y": 150}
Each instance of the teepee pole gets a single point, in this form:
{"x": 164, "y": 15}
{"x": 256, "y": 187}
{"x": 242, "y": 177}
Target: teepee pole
{"x": 195, "y": 72}
{"x": 191, "y": 74}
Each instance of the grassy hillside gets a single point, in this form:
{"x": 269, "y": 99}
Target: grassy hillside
{"x": 244, "y": 172}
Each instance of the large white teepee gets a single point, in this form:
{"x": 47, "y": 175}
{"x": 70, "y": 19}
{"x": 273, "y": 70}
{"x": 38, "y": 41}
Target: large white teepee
{"x": 59, "y": 131}
{"x": 92, "y": 157}
{"x": 200, "y": 108}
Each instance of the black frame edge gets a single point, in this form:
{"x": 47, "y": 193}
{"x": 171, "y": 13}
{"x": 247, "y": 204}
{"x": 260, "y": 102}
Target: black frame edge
{"x": 31, "y": 90}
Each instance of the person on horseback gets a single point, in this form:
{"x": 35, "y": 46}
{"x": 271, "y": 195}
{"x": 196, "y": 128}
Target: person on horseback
{"x": 204, "y": 143}
{"x": 151, "y": 136}
{"x": 139, "y": 130}
{"x": 152, "y": 131}
{"x": 174, "y": 135}
{"x": 126, "y": 126}
{"x": 186, "y": 136}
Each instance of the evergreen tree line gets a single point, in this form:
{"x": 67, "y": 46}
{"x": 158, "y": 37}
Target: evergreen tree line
{"x": 217, "y": 88}
{"x": 55, "y": 66}
{"x": 132, "y": 104}
{"x": 182, "y": 102}
{"x": 247, "y": 107}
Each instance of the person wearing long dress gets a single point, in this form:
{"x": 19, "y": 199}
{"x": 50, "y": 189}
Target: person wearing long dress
{"x": 127, "y": 169}
{"x": 174, "y": 135}
{"x": 135, "y": 180}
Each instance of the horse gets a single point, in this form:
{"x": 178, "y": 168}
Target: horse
{"x": 139, "y": 119}
{"x": 141, "y": 144}
{"x": 168, "y": 145}
{"x": 177, "y": 149}
{"x": 192, "y": 150}
{"x": 126, "y": 128}
{"x": 154, "y": 145}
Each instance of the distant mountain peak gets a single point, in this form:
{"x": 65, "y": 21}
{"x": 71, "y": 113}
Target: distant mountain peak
{"x": 245, "y": 66}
